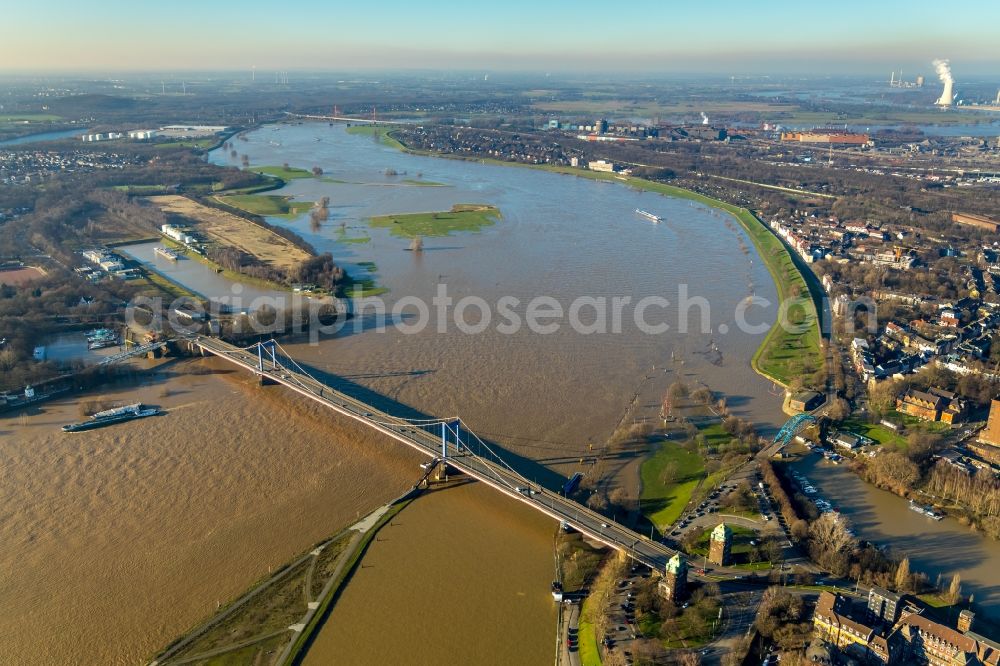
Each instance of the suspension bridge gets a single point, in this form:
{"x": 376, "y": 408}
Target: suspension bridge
{"x": 445, "y": 441}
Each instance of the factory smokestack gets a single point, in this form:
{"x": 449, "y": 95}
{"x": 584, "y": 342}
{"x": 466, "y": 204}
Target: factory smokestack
{"x": 704, "y": 118}
{"x": 944, "y": 73}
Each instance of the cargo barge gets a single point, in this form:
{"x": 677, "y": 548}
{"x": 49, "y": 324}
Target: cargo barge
{"x": 166, "y": 253}
{"x": 111, "y": 416}
{"x": 649, "y": 216}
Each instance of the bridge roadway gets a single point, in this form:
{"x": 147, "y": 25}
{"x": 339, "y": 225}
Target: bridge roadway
{"x": 495, "y": 475}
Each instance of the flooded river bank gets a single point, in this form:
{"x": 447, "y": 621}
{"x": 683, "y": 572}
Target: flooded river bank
{"x": 199, "y": 278}
{"x": 934, "y": 547}
{"x": 117, "y": 540}
{"x": 549, "y": 400}
{"x": 559, "y": 236}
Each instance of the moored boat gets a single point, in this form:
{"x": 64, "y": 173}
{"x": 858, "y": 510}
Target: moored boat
{"x": 166, "y": 253}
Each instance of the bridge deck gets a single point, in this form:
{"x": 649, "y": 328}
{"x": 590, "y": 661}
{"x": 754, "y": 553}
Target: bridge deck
{"x": 497, "y": 476}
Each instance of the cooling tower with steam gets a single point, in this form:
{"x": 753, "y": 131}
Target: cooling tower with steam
{"x": 944, "y": 73}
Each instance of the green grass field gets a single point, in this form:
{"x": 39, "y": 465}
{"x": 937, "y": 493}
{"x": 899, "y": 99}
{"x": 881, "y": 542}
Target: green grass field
{"x": 715, "y": 434}
{"x": 422, "y": 183}
{"x": 879, "y": 433}
{"x": 888, "y": 437}
{"x": 363, "y": 287}
{"x": 461, "y": 218}
{"x": 788, "y": 351}
{"x": 203, "y": 144}
{"x": 140, "y": 189}
{"x": 291, "y": 173}
{"x": 28, "y": 117}
{"x": 268, "y": 205}
{"x": 380, "y": 131}
{"x": 343, "y": 237}
{"x": 590, "y": 655}
{"x": 663, "y": 503}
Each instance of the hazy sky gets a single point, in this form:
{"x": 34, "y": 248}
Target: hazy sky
{"x": 724, "y": 36}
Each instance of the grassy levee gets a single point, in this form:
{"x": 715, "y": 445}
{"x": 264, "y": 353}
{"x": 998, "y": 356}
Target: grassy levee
{"x": 785, "y": 350}
{"x": 380, "y": 131}
{"x": 266, "y": 205}
{"x": 289, "y": 173}
{"x": 308, "y": 634}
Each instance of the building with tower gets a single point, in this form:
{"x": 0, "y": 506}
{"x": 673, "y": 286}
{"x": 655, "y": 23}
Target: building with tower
{"x": 720, "y": 545}
{"x": 674, "y": 583}
{"x": 965, "y": 620}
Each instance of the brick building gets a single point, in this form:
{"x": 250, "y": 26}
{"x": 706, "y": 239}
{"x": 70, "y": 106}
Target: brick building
{"x": 720, "y": 545}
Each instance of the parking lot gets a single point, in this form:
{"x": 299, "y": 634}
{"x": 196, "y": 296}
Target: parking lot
{"x": 622, "y": 630}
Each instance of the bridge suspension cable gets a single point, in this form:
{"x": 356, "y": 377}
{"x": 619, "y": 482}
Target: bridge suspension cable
{"x": 281, "y": 358}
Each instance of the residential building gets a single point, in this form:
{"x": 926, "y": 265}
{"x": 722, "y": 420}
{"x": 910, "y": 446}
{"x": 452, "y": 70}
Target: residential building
{"x": 991, "y": 433}
{"x": 805, "y": 401}
{"x": 883, "y": 605}
{"x": 859, "y": 641}
{"x": 935, "y": 404}
{"x": 923, "y": 641}
{"x": 895, "y": 260}
{"x": 601, "y": 165}
{"x": 847, "y": 440}
{"x": 965, "y": 620}
{"x": 978, "y": 221}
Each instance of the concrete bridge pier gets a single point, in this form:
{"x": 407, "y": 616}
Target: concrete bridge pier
{"x": 264, "y": 380}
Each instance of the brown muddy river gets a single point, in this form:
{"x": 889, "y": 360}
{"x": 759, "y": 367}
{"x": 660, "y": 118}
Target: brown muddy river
{"x": 114, "y": 541}
{"x": 545, "y": 396}
{"x": 462, "y": 559}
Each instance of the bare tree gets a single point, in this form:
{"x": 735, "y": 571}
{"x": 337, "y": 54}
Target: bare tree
{"x": 689, "y": 658}
{"x": 668, "y": 475}
{"x": 955, "y": 589}
{"x": 677, "y": 390}
{"x": 903, "y": 577}
{"x": 831, "y": 542}
{"x": 839, "y": 410}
